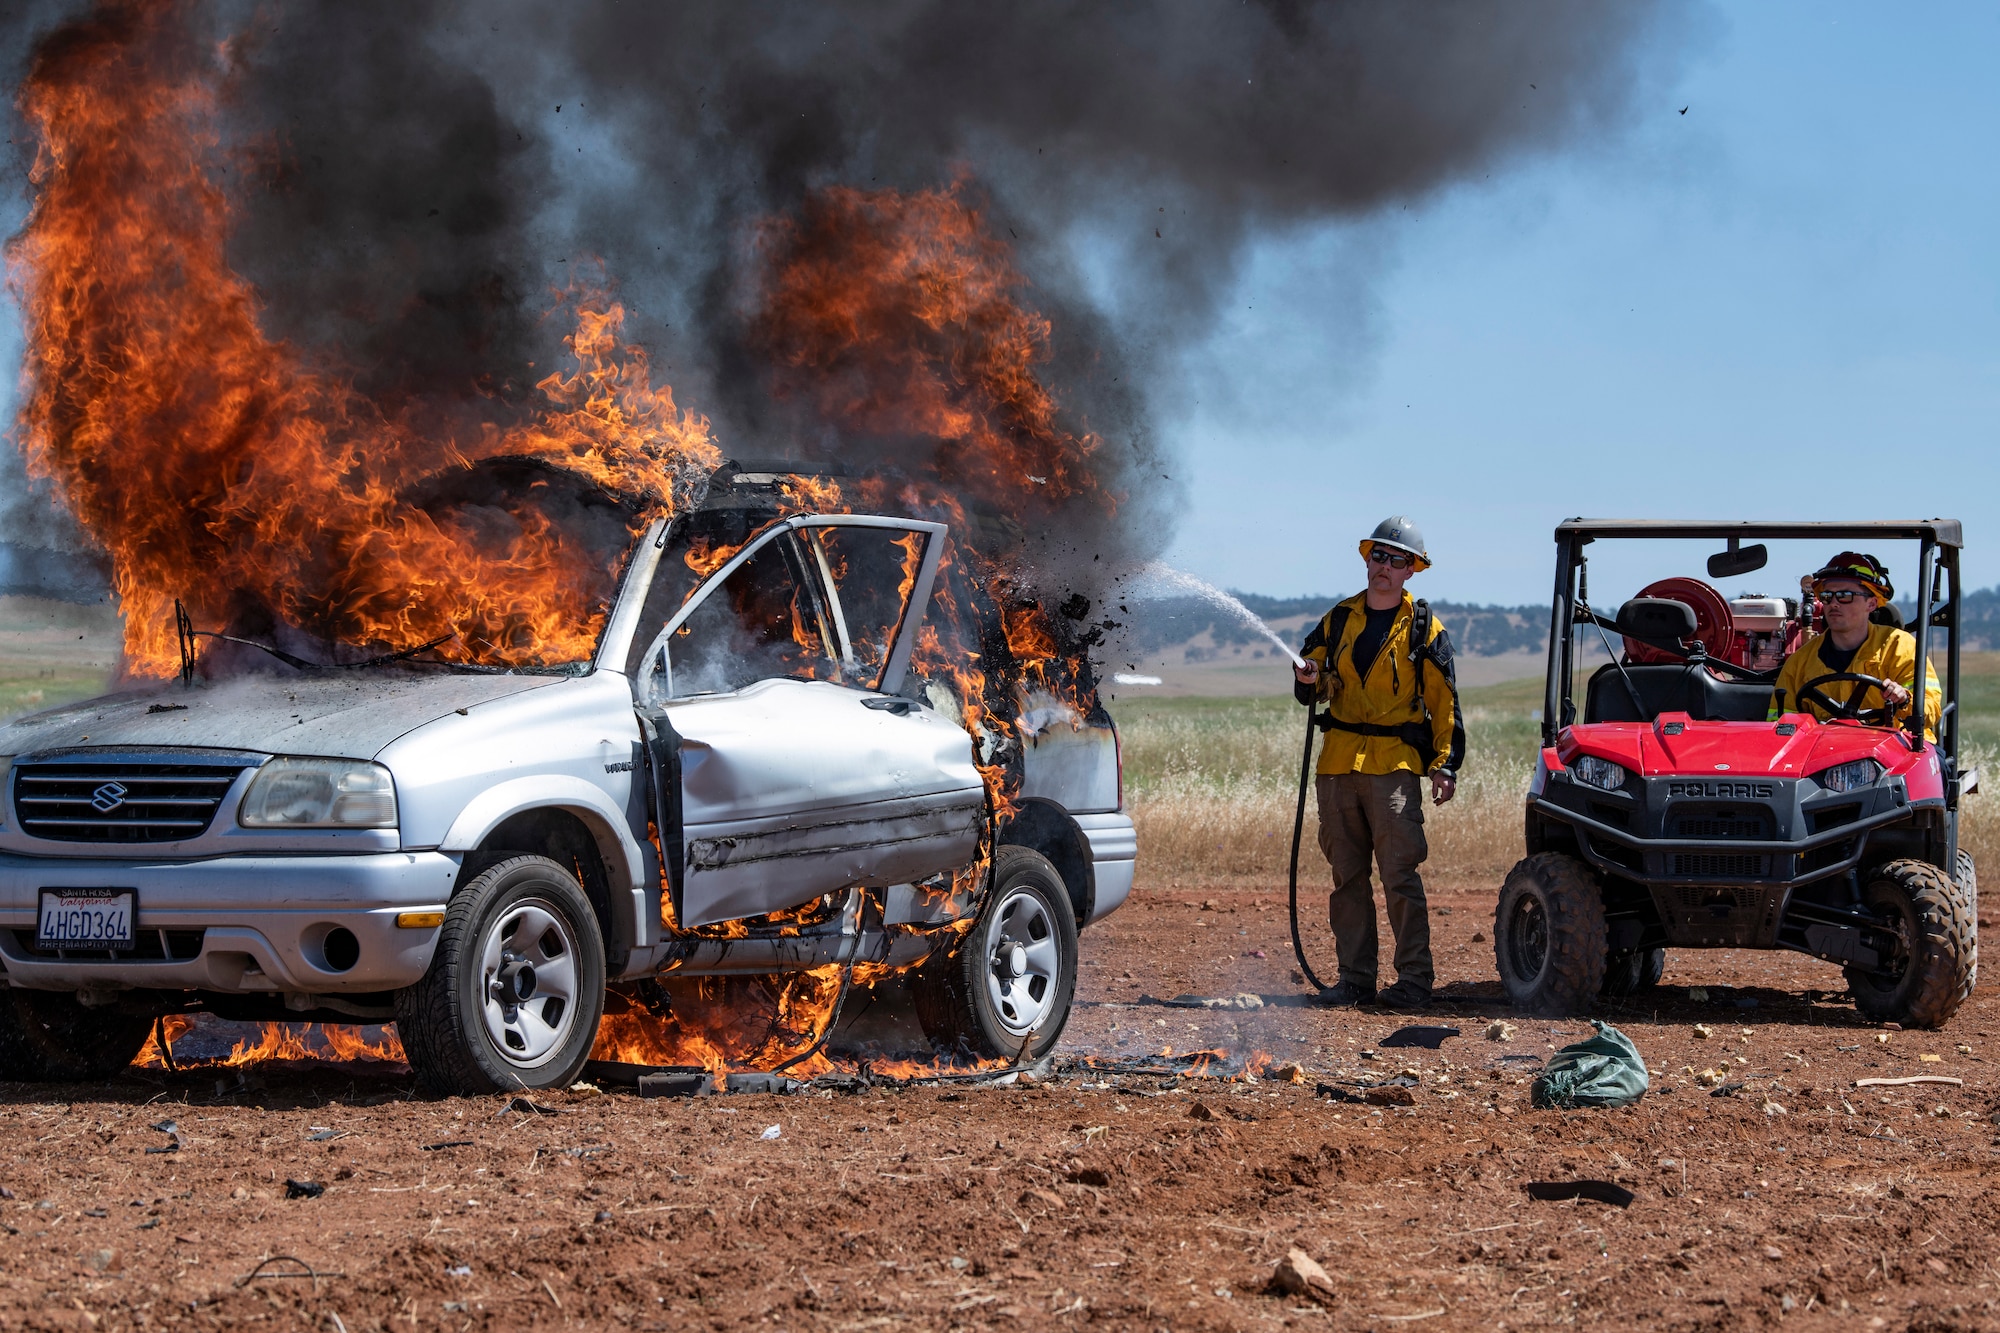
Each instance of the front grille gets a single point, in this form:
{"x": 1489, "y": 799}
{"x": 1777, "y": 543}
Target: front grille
{"x": 1727, "y": 899}
{"x": 1745, "y": 824}
{"x": 148, "y": 946}
{"x": 81, "y": 801}
{"x": 1712, "y": 866}
{"x": 1826, "y": 818}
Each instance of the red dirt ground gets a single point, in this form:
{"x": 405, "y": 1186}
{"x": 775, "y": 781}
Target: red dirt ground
{"x": 1800, "y": 1201}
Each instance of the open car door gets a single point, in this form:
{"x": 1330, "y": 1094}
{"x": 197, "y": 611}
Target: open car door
{"x": 785, "y": 765}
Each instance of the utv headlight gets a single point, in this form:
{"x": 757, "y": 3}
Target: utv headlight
{"x": 320, "y": 793}
{"x": 1850, "y": 776}
{"x": 1598, "y": 772}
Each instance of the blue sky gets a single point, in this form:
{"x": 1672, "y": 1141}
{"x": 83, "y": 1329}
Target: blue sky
{"x": 1782, "y": 304}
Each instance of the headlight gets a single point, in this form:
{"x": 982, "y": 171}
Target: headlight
{"x": 6, "y": 767}
{"x": 1849, "y": 777}
{"x": 320, "y": 793}
{"x": 1598, "y": 772}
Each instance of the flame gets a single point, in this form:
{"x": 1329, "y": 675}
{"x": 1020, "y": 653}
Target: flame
{"x": 723, "y": 1023}
{"x": 338, "y": 1042}
{"x": 217, "y": 465}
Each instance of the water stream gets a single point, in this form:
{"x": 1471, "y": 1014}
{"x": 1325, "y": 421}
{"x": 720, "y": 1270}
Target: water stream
{"x": 1162, "y": 580}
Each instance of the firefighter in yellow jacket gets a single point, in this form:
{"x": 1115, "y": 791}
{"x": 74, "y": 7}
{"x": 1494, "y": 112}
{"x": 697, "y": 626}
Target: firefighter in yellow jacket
{"x": 1852, "y": 587}
{"x": 1382, "y": 665}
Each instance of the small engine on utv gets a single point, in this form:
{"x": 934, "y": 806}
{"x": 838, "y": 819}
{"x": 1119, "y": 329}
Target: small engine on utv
{"x": 1677, "y": 808}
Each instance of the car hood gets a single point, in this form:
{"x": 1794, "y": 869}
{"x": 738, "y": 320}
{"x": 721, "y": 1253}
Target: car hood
{"x": 352, "y": 715}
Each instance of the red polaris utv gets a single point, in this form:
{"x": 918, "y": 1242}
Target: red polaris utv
{"x": 1669, "y": 812}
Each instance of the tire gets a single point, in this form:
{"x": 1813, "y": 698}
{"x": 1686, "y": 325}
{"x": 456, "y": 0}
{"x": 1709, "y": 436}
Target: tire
{"x": 1628, "y": 973}
{"x": 521, "y": 925}
{"x": 1005, "y": 992}
{"x": 1931, "y": 972}
{"x": 1549, "y": 935}
{"x": 47, "y": 1037}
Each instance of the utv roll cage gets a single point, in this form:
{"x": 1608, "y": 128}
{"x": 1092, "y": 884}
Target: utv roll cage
{"x": 1938, "y": 594}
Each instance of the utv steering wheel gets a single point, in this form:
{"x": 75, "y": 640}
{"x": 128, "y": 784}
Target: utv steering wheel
{"x": 1851, "y": 711}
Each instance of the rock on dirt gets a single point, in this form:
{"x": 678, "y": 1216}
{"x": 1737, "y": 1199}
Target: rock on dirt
{"x": 1299, "y": 1274}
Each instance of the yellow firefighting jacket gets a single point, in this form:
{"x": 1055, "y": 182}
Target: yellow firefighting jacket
{"x": 1386, "y": 702}
{"x": 1887, "y": 653}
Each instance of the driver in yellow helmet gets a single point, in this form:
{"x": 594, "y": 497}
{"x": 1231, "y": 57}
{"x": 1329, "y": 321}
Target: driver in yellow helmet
{"x": 1851, "y": 587}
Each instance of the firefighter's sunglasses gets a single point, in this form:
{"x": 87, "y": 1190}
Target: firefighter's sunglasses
{"x": 1841, "y": 595}
{"x": 1393, "y": 559}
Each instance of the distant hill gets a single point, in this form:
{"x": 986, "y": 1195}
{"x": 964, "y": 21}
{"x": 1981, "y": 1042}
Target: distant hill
{"x": 64, "y": 576}
{"x": 1208, "y": 631}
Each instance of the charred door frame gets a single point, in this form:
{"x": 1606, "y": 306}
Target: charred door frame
{"x": 898, "y": 663}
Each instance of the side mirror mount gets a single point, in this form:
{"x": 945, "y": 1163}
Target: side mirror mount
{"x": 1738, "y": 560}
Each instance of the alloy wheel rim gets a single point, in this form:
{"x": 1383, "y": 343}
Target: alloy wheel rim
{"x": 1023, "y": 962}
{"x": 528, "y": 982}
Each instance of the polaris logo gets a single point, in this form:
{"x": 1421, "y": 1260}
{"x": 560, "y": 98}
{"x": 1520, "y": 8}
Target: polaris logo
{"x": 1734, "y": 791}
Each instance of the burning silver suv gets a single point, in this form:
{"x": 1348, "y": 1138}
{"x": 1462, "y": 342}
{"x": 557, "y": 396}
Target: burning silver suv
{"x": 747, "y": 778}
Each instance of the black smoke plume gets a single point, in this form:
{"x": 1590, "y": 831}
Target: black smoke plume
{"x": 417, "y": 176}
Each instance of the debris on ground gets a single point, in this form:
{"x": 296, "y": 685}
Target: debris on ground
{"x": 1598, "y": 1191}
{"x": 1602, "y": 1070}
{"x": 1426, "y": 1035}
{"x": 1500, "y": 1030}
{"x": 1240, "y": 1000}
{"x": 1394, "y": 1092}
{"x": 770, "y": 1132}
{"x": 1291, "y": 1071}
{"x": 529, "y": 1107}
{"x": 1701, "y": 1032}
{"x": 1299, "y": 1274}
{"x": 1907, "y": 1081}
{"x": 676, "y": 1083}
{"x": 302, "y": 1189}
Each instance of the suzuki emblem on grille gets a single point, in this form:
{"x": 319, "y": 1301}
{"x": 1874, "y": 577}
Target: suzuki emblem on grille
{"x": 108, "y": 797}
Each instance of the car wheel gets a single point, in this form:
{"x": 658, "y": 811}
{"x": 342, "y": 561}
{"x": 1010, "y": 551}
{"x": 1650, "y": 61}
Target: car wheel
{"x": 1005, "y": 992}
{"x": 1633, "y": 971}
{"x": 1928, "y": 972}
{"x": 47, "y": 1037}
{"x": 516, "y": 988}
{"x": 1549, "y": 935}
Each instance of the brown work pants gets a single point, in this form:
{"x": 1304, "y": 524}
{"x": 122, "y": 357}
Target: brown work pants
{"x": 1378, "y": 817}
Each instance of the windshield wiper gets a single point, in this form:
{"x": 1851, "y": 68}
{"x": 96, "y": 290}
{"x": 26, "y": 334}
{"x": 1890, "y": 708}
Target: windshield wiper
{"x": 185, "y": 631}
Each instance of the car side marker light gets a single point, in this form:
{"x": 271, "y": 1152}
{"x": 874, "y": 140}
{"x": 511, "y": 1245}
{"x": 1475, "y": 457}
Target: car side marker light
{"x": 419, "y": 920}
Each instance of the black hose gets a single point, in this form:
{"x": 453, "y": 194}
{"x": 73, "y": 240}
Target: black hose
{"x": 1298, "y": 833}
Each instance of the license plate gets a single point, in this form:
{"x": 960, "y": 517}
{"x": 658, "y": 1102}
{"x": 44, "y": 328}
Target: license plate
{"x": 87, "y": 918}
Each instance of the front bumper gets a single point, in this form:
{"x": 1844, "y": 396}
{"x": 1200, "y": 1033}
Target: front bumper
{"x": 244, "y": 925}
{"x": 1725, "y": 863}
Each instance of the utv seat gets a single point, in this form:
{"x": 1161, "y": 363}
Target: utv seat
{"x": 1673, "y": 688}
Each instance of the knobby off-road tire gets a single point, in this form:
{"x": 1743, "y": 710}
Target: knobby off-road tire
{"x": 1006, "y": 990}
{"x": 1628, "y": 973}
{"x": 1930, "y": 975}
{"x": 1549, "y": 935}
{"x": 47, "y": 1037}
{"x": 516, "y": 988}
